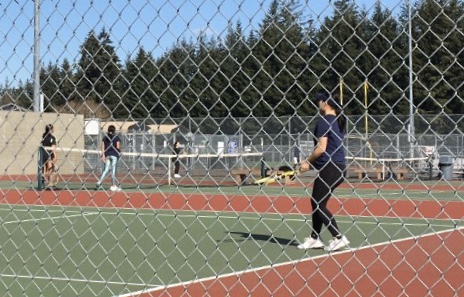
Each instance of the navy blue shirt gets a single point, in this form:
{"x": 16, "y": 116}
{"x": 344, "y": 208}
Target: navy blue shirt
{"x": 327, "y": 126}
{"x": 110, "y": 145}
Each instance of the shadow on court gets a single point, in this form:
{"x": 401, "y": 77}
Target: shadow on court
{"x": 244, "y": 236}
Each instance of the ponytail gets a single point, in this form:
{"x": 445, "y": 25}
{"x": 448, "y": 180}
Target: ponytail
{"x": 341, "y": 119}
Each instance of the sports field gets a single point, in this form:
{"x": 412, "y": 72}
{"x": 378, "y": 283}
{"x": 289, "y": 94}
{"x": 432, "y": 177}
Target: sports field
{"x": 185, "y": 240}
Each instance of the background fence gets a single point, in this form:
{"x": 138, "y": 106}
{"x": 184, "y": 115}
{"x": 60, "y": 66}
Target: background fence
{"x": 232, "y": 76}
{"x": 279, "y": 142}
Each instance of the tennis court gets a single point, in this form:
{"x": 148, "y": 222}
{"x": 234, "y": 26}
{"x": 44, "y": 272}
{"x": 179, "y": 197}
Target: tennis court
{"x": 168, "y": 240}
{"x": 207, "y": 111}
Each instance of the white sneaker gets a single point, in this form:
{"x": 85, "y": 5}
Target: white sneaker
{"x": 115, "y": 189}
{"x": 311, "y": 243}
{"x": 177, "y": 175}
{"x": 337, "y": 244}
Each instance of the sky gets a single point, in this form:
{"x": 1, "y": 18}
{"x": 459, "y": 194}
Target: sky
{"x": 154, "y": 24}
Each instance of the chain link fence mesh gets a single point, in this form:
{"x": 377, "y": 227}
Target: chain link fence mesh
{"x": 230, "y": 77}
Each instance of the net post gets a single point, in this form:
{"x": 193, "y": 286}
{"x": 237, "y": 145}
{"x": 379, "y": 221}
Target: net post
{"x": 430, "y": 164}
{"x": 263, "y": 167}
{"x": 169, "y": 170}
{"x": 39, "y": 170}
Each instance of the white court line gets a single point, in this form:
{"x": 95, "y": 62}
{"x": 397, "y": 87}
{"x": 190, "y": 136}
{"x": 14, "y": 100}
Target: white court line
{"x": 80, "y": 213}
{"x": 413, "y": 194}
{"x": 66, "y": 279}
{"x": 49, "y": 218}
{"x": 283, "y": 264}
{"x": 258, "y": 217}
{"x": 35, "y": 209}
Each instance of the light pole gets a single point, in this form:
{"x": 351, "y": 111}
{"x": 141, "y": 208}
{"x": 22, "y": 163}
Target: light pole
{"x": 36, "y": 56}
{"x": 411, "y": 132}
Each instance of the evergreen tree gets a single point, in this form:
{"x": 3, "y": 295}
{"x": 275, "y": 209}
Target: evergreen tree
{"x": 89, "y": 71}
{"x": 281, "y": 51}
{"x": 177, "y": 68}
{"x": 50, "y": 78}
{"x": 57, "y": 85}
{"x": 250, "y": 65}
{"x": 234, "y": 68}
{"x": 140, "y": 97}
{"x": 24, "y": 95}
{"x": 268, "y": 62}
{"x": 99, "y": 75}
{"x": 208, "y": 82}
{"x": 438, "y": 44}
{"x": 382, "y": 64}
{"x": 341, "y": 44}
{"x": 67, "y": 85}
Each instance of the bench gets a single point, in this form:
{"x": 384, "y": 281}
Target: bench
{"x": 458, "y": 173}
{"x": 380, "y": 172}
{"x": 240, "y": 175}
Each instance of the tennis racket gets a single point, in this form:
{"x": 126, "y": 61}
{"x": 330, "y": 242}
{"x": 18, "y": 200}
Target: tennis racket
{"x": 54, "y": 178}
{"x": 281, "y": 173}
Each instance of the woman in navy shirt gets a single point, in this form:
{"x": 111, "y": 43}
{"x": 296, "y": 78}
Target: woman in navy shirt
{"x": 111, "y": 151}
{"x": 328, "y": 158}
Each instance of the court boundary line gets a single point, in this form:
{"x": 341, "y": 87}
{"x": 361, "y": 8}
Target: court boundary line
{"x": 146, "y": 213}
{"x": 289, "y": 219}
{"x": 52, "y": 278}
{"x": 237, "y": 273}
{"x": 49, "y": 218}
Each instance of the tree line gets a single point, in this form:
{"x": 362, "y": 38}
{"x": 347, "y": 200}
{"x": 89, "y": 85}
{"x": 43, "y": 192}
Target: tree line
{"x": 272, "y": 71}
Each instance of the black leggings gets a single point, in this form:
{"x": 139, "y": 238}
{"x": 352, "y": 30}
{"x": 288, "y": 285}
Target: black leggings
{"x": 329, "y": 178}
{"x": 176, "y": 166}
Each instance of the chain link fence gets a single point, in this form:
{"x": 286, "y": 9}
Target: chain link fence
{"x": 230, "y": 77}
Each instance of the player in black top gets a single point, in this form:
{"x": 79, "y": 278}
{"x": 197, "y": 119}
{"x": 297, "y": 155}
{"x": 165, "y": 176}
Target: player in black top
{"x": 177, "y": 149}
{"x": 48, "y": 155}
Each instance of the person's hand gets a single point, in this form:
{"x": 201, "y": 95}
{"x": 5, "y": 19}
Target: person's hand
{"x": 104, "y": 159}
{"x": 305, "y": 166}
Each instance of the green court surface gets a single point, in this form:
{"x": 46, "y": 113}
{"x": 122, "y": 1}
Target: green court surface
{"x": 105, "y": 252}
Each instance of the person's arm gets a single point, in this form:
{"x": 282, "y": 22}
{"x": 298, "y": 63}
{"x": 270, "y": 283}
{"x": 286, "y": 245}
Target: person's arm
{"x": 318, "y": 150}
{"x": 322, "y": 128}
{"x": 55, "y": 156}
{"x": 118, "y": 146}
{"x": 103, "y": 150}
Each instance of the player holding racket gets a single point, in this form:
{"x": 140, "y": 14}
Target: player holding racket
{"x": 48, "y": 156}
{"x": 328, "y": 158}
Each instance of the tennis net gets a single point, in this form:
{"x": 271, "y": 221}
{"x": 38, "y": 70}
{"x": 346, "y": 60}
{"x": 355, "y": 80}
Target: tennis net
{"x": 81, "y": 167}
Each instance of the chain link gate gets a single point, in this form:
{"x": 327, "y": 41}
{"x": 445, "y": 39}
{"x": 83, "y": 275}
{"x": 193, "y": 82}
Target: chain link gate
{"x": 233, "y": 82}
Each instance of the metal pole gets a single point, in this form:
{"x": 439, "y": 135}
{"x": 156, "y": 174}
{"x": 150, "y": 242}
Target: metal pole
{"x": 411, "y": 92}
{"x": 36, "y": 56}
{"x": 366, "y": 113}
{"x": 290, "y": 139}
